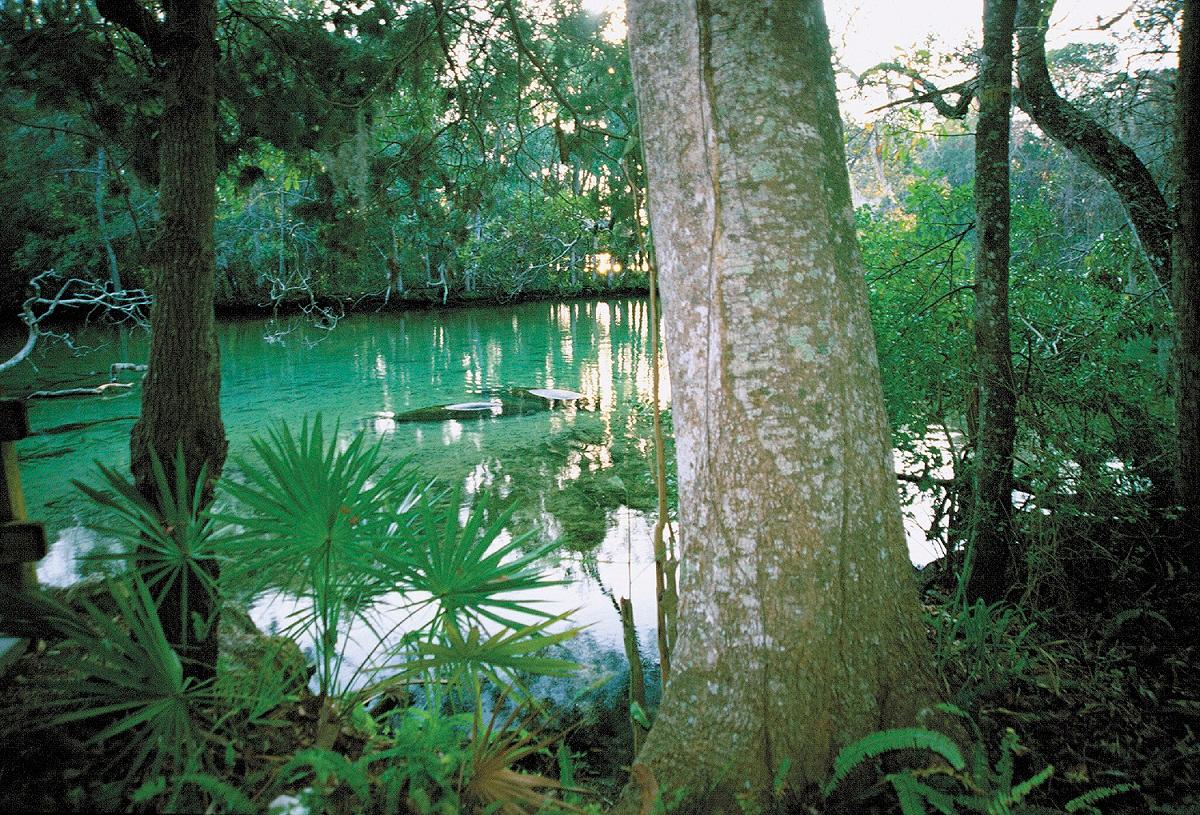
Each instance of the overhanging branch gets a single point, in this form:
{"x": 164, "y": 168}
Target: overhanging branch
{"x": 930, "y": 93}
{"x": 1092, "y": 143}
{"x": 136, "y": 18}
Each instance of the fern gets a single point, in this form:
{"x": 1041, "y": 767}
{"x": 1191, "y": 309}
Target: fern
{"x": 913, "y": 795}
{"x": 234, "y": 800}
{"x": 1087, "y": 802}
{"x": 886, "y": 741}
{"x": 1006, "y": 798}
{"x": 963, "y": 786}
{"x": 1130, "y": 614}
{"x": 329, "y": 770}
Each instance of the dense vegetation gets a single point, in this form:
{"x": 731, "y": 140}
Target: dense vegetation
{"x": 422, "y": 156}
{"x": 371, "y": 153}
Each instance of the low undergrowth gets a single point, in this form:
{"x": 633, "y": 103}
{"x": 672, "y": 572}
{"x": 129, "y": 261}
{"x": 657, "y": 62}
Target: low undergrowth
{"x": 1080, "y": 696}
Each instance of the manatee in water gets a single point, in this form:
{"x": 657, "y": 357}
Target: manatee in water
{"x": 502, "y": 402}
{"x": 440, "y": 413}
{"x": 471, "y": 407}
{"x": 555, "y": 394}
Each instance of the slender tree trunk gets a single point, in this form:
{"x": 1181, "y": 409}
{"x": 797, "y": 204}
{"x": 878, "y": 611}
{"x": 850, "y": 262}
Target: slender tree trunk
{"x": 1186, "y": 277}
{"x": 991, "y": 520}
{"x": 394, "y": 270}
{"x": 1163, "y": 243}
{"x": 798, "y": 625}
{"x": 181, "y": 393}
{"x": 281, "y": 260}
{"x": 114, "y": 272}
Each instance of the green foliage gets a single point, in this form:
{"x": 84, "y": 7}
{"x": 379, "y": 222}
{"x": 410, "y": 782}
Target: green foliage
{"x": 123, "y": 681}
{"x": 955, "y": 784}
{"x": 170, "y": 544}
{"x": 311, "y": 511}
{"x": 884, "y": 741}
{"x": 360, "y": 156}
{"x": 1087, "y": 802}
{"x": 465, "y": 568}
{"x": 987, "y": 647}
{"x": 323, "y": 517}
{"x": 329, "y": 522}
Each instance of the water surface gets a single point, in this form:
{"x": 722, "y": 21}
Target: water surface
{"x": 578, "y": 472}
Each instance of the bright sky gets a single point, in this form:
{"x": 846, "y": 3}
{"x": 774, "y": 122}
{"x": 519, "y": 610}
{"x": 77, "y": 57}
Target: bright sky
{"x": 867, "y": 32}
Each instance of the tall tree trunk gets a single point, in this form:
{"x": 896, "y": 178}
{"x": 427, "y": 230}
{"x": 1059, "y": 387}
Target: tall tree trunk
{"x": 1096, "y": 146}
{"x": 798, "y": 626}
{"x": 181, "y": 392}
{"x": 991, "y": 520}
{"x": 1186, "y": 277}
{"x": 114, "y": 272}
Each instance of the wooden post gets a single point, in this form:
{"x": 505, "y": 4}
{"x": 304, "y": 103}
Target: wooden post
{"x": 22, "y": 543}
{"x": 637, "y": 681}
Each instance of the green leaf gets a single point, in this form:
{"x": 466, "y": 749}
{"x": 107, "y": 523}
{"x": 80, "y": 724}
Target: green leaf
{"x": 638, "y": 715}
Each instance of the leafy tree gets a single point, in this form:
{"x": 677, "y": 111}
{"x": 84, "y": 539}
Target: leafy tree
{"x": 1148, "y": 212}
{"x": 181, "y": 408}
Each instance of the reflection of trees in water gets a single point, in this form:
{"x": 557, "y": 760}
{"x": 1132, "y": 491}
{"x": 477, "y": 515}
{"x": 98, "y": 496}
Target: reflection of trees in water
{"x": 568, "y": 486}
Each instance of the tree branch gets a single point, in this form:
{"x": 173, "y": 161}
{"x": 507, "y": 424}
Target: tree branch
{"x": 1092, "y": 143}
{"x": 136, "y": 18}
{"x": 931, "y": 92}
{"x": 124, "y": 304}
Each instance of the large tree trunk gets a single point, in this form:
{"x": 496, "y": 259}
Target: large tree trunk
{"x": 1186, "y": 277}
{"x": 991, "y": 519}
{"x": 181, "y": 393}
{"x": 798, "y": 626}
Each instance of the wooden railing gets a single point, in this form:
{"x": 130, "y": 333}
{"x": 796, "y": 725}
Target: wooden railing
{"x": 22, "y": 543}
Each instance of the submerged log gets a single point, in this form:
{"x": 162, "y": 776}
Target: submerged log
{"x": 72, "y": 427}
{"x": 115, "y": 369}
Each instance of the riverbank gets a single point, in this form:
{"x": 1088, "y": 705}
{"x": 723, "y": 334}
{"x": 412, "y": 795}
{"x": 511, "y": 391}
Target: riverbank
{"x": 12, "y": 330}
{"x": 422, "y": 299}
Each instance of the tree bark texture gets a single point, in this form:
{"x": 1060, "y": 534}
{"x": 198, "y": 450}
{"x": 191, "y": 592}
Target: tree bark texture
{"x": 181, "y": 392}
{"x": 991, "y": 519}
{"x": 798, "y": 624}
{"x": 1186, "y": 276}
{"x": 1096, "y": 146}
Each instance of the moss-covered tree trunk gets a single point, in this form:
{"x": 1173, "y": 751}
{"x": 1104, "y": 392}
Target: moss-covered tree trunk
{"x": 181, "y": 392}
{"x": 798, "y": 620}
{"x": 1185, "y": 287}
{"x": 991, "y": 540}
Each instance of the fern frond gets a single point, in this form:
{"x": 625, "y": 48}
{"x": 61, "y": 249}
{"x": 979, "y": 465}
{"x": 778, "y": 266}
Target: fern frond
{"x": 886, "y": 741}
{"x": 1087, "y": 802}
{"x": 1030, "y": 784}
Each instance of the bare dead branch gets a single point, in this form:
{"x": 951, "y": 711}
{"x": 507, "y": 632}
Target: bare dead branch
{"x": 128, "y": 306}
